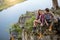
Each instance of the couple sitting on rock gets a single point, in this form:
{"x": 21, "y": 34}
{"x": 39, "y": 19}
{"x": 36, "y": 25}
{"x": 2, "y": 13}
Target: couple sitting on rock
{"x": 45, "y": 17}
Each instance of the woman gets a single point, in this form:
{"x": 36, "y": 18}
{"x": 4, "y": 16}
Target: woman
{"x": 39, "y": 19}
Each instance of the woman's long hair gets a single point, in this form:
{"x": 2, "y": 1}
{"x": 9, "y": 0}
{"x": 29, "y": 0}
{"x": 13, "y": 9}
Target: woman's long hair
{"x": 39, "y": 12}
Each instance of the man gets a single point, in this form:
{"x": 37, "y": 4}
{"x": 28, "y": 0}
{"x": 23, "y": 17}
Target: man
{"x": 50, "y": 18}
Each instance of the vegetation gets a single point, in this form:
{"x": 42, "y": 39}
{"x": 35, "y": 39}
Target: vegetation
{"x": 28, "y": 24}
{"x": 16, "y": 28}
{"x": 7, "y": 3}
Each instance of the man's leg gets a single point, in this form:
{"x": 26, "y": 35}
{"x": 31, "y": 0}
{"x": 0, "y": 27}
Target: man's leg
{"x": 51, "y": 26}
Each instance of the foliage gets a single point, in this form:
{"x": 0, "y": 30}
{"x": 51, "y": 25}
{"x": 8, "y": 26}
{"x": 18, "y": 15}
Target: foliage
{"x": 16, "y": 28}
{"x": 29, "y": 23}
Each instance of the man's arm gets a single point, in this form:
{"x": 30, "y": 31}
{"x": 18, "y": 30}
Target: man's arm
{"x": 53, "y": 16}
{"x": 46, "y": 23}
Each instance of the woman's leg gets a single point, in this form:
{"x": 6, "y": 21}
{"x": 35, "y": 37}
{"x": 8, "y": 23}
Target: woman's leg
{"x": 36, "y": 22}
{"x": 35, "y": 25}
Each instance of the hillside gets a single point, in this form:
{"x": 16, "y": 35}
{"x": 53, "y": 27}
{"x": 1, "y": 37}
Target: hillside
{"x": 8, "y": 3}
{"x": 26, "y": 23}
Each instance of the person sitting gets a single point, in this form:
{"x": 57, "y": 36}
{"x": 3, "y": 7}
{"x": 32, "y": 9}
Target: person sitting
{"x": 39, "y": 19}
{"x": 50, "y": 18}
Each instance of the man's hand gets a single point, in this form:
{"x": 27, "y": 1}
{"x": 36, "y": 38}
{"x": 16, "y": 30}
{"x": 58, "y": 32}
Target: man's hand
{"x": 56, "y": 20}
{"x": 46, "y": 23}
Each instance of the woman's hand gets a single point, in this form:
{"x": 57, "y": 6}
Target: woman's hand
{"x": 41, "y": 24}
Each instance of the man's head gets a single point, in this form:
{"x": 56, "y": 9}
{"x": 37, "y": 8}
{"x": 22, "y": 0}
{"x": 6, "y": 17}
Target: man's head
{"x": 47, "y": 9}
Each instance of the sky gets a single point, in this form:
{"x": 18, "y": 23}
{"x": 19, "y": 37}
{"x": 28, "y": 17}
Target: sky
{"x": 11, "y": 15}
{"x": 59, "y": 2}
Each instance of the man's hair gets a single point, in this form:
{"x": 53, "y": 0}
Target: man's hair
{"x": 47, "y": 9}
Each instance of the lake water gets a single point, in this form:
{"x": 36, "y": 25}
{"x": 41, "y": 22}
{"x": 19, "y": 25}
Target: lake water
{"x": 7, "y": 18}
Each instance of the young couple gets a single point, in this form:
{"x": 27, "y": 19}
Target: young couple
{"x": 46, "y": 17}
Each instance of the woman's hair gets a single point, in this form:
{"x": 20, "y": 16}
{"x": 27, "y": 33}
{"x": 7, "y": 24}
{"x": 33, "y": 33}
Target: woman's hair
{"x": 47, "y": 9}
{"x": 39, "y": 12}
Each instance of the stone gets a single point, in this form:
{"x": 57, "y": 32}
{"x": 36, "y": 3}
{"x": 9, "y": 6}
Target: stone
{"x": 55, "y": 4}
{"x": 46, "y": 38}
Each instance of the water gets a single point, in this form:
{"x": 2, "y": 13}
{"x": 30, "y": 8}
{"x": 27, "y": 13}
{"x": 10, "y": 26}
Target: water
{"x": 7, "y": 18}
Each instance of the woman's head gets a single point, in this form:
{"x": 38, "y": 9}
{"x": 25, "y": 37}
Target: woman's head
{"x": 39, "y": 12}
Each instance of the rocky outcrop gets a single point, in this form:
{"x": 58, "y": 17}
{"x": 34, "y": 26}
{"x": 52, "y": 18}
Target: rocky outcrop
{"x": 21, "y": 22}
{"x": 25, "y": 17}
{"x": 27, "y": 35}
{"x": 55, "y": 4}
